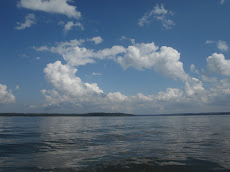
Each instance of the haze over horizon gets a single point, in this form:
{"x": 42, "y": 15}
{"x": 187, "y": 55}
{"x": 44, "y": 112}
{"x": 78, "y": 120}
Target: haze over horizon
{"x": 114, "y": 56}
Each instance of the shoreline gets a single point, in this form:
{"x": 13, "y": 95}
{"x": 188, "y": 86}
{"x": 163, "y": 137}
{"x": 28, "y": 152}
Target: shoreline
{"x": 101, "y": 114}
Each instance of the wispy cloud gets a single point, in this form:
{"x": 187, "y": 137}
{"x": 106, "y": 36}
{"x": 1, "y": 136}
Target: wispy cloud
{"x": 70, "y": 25}
{"x": 17, "y": 87}
{"x": 208, "y": 79}
{"x": 96, "y": 74}
{"x": 129, "y": 39}
{"x": 193, "y": 69}
{"x": 221, "y": 45}
{"x": 222, "y": 1}
{"x": 209, "y": 42}
{"x": 158, "y": 13}
{"x": 29, "y": 21}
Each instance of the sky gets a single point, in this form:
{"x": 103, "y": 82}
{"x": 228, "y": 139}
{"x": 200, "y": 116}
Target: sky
{"x": 132, "y": 56}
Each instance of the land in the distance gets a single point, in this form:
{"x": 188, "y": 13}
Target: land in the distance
{"x": 109, "y": 114}
{"x": 62, "y": 114}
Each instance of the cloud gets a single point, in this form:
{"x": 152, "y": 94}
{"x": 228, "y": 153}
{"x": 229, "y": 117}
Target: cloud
{"x": 69, "y": 26}
{"x": 42, "y": 48}
{"x": 209, "y": 42}
{"x": 171, "y": 93}
{"x": 193, "y": 69}
{"x": 222, "y": 45}
{"x": 70, "y": 91}
{"x": 94, "y": 87}
{"x": 193, "y": 86}
{"x": 158, "y": 13}
{"x": 63, "y": 78}
{"x": 218, "y": 64}
{"x": 32, "y": 106}
{"x": 208, "y": 79}
{"x": 164, "y": 60}
{"x": 96, "y": 74}
{"x": 222, "y": 1}
{"x": 96, "y": 40}
{"x": 29, "y": 21}
{"x": 76, "y": 55}
{"x": 71, "y": 94}
{"x": 17, "y": 87}
{"x": 68, "y": 87}
{"x": 82, "y": 56}
{"x": 51, "y": 6}
{"x": 129, "y": 39}
{"x": 65, "y": 47}
{"x": 61, "y": 47}
{"x": 219, "y": 94}
{"x": 6, "y": 96}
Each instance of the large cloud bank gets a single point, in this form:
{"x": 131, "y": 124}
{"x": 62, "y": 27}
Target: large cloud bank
{"x": 71, "y": 94}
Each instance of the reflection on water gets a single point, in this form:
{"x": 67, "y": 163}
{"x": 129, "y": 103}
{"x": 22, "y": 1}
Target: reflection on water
{"x": 115, "y": 143}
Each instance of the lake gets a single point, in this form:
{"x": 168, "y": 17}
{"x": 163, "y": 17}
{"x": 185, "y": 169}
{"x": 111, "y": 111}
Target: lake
{"x": 135, "y": 143}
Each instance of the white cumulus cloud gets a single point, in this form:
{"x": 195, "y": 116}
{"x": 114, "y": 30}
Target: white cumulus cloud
{"x": 218, "y": 64}
{"x": 171, "y": 93}
{"x": 63, "y": 78}
{"x": 29, "y": 21}
{"x": 6, "y": 96}
{"x": 193, "y": 86}
{"x": 70, "y": 91}
{"x": 51, "y": 6}
{"x": 68, "y": 88}
{"x": 165, "y": 60}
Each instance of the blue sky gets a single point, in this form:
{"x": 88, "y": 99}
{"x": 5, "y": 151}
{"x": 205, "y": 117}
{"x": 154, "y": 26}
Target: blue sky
{"x": 128, "y": 56}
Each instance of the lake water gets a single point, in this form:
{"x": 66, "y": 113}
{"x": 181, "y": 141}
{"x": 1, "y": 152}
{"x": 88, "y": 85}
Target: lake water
{"x": 137, "y": 143}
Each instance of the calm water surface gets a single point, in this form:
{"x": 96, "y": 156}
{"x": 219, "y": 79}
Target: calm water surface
{"x": 148, "y": 143}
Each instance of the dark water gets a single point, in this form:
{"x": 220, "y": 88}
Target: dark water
{"x": 160, "y": 143}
